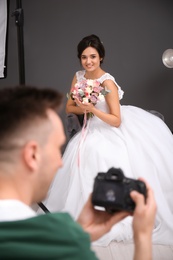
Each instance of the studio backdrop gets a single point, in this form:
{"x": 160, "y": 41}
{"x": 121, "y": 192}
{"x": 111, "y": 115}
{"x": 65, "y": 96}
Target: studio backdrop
{"x": 3, "y": 30}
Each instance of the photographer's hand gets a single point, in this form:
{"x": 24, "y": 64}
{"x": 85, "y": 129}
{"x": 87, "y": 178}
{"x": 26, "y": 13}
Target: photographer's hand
{"x": 97, "y": 223}
{"x": 143, "y": 223}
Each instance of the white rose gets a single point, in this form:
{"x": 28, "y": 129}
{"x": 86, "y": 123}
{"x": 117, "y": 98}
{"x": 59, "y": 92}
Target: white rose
{"x": 100, "y": 97}
{"x": 90, "y": 82}
{"x": 85, "y": 100}
{"x": 88, "y": 90}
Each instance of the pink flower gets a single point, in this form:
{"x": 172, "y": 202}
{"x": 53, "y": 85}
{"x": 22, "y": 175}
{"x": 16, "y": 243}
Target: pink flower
{"x": 97, "y": 89}
{"x": 93, "y": 99}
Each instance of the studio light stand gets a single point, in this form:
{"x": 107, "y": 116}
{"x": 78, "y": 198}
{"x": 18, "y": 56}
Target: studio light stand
{"x": 19, "y": 21}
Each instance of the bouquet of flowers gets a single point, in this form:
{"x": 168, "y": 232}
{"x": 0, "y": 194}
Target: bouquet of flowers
{"x": 88, "y": 91}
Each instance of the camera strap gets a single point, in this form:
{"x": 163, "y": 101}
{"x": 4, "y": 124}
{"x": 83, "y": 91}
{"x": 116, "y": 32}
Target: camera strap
{"x": 43, "y": 207}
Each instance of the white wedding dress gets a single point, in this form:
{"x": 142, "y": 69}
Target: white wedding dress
{"x": 142, "y": 147}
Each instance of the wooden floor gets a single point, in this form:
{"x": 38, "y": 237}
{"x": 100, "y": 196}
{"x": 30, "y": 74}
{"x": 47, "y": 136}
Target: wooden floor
{"x": 121, "y": 251}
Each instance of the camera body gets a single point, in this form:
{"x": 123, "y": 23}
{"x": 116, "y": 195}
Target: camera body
{"x": 112, "y": 191}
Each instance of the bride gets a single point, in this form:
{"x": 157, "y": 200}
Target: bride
{"x": 119, "y": 136}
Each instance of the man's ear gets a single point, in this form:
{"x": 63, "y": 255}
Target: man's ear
{"x": 31, "y": 155}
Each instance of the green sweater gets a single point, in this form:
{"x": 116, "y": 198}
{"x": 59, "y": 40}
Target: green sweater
{"x": 49, "y": 236}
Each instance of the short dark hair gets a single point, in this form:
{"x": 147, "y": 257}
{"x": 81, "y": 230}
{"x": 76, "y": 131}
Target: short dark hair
{"x": 91, "y": 41}
{"x": 23, "y": 104}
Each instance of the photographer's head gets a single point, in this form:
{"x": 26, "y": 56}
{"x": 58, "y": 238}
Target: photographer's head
{"x": 31, "y": 135}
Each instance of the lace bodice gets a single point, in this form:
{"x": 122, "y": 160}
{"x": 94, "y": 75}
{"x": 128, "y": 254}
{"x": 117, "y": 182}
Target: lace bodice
{"x": 80, "y": 76}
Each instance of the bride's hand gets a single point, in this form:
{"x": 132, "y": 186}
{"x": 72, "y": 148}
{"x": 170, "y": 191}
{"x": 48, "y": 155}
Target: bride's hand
{"x": 84, "y": 106}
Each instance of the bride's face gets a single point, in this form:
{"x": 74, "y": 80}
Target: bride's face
{"x": 90, "y": 59}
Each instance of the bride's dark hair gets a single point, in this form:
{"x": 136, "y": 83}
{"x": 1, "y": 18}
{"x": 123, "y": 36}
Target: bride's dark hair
{"x": 91, "y": 41}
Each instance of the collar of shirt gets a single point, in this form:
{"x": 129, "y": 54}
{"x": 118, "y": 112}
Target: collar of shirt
{"x": 11, "y": 210}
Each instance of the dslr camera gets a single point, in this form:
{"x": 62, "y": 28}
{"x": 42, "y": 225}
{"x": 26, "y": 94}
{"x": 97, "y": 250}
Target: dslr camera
{"x": 112, "y": 191}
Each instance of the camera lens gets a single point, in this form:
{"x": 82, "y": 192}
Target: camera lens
{"x": 110, "y": 195}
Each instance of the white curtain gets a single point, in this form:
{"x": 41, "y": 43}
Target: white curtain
{"x": 3, "y": 30}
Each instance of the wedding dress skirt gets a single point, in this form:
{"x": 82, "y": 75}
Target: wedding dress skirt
{"x": 142, "y": 147}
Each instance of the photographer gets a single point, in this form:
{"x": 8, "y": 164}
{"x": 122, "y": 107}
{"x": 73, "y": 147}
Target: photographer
{"x": 30, "y": 154}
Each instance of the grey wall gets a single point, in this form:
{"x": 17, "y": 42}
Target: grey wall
{"x": 135, "y": 34}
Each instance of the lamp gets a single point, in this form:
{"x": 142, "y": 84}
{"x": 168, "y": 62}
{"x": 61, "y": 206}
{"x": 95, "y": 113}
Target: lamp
{"x": 167, "y": 58}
